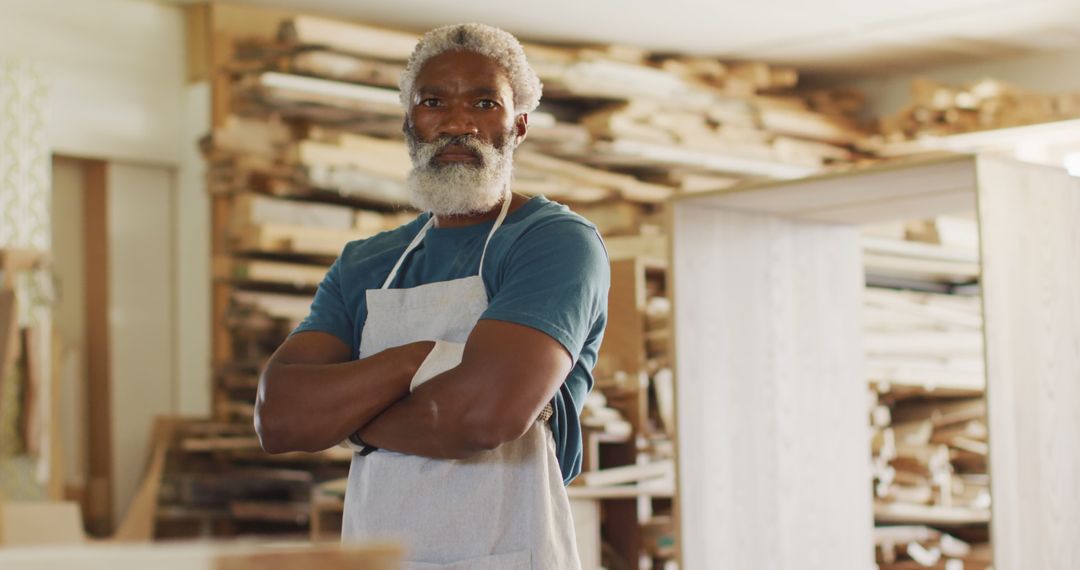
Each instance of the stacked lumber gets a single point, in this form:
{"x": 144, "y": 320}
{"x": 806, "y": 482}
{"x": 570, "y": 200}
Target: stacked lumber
{"x": 920, "y": 344}
{"x": 942, "y": 251}
{"x": 928, "y": 417}
{"x": 609, "y": 115}
{"x": 914, "y": 547}
{"x": 218, "y": 481}
{"x": 600, "y": 419}
{"x": 938, "y": 109}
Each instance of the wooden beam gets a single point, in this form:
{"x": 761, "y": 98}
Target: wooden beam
{"x": 98, "y": 510}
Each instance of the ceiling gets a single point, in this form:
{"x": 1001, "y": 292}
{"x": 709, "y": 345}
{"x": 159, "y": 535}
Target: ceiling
{"x": 826, "y": 36}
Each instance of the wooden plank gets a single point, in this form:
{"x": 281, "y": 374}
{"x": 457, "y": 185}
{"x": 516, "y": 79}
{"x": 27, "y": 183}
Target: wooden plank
{"x": 613, "y": 218}
{"x": 630, "y": 187}
{"x": 98, "y": 510}
{"x": 905, "y": 513}
{"x": 648, "y": 247}
{"x": 351, "y": 38}
{"x": 290, "y": 307}
{"x": 638, "y": 152}
{"x": 138, "y": 523}
{"x": 260, "y": 271}
{"x": 341, "y": 67}
{"x": 811, "y": 125}
{"x": 295, "y": 240}
{"x": 379, "y": 157}
{"x": 766, "y": 315}
{"x": 285, "y": 88}
{"x": 629, "y": 474}
{"x": 206, "y": 555}
{"x": 256, "y": 209}
{"x": 1030, "y": 244}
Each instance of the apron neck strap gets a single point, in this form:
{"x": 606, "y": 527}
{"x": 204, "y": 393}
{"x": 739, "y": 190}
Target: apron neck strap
{"x": 431, "y": 222}
{"x": 507, "y": 198}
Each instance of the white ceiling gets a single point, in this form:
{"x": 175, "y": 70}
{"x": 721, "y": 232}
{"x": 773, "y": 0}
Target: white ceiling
{"x": 832, "y": 36}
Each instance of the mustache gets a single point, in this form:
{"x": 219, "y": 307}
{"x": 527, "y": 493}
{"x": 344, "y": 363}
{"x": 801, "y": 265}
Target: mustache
{"x": 470, "y": 143}
{"x": 423, "y": 153}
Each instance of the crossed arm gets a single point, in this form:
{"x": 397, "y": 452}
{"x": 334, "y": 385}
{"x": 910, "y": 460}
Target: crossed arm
{"x": 311, "y": 397}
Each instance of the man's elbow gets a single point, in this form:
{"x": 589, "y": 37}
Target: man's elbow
{"x": 489, "y": 432}
{"x": 268, "y": 428}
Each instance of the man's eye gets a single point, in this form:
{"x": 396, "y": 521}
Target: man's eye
{"x": 429, "y": 102}
{"x": 486, "y": 104}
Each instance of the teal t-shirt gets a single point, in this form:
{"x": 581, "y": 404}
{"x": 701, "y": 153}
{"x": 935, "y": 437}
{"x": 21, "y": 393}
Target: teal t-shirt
{"x": 546, "y": 268}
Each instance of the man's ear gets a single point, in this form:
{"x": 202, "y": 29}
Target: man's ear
{"x": 521, "y": 127}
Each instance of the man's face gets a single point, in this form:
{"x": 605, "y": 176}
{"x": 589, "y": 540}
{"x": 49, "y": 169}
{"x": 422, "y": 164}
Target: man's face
{"x": 461, "y": 131}
{"x": 462, "y": 93}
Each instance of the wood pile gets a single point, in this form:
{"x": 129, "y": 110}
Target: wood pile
{"x": 218, "y": 481}
{"x": 938, "y": 109}
{"x": 920, "y": 547}
{"x": 615, "y": 123}
{"x": 928, "y": 414}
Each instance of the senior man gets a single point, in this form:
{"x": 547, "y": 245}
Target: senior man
{"x": 454, "y": 352}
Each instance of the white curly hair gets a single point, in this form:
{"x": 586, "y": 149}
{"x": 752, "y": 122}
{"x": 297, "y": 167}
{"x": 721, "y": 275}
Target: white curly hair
{"x": 485, "y": 40}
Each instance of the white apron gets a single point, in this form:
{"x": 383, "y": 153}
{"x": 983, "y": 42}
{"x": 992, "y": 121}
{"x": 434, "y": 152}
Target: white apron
{"x": 503, "y": 509}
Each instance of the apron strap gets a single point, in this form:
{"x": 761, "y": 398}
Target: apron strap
{"x": 415, "y": 242}
{"x": 498, "y": 222}
{"x": 423, "y": 231}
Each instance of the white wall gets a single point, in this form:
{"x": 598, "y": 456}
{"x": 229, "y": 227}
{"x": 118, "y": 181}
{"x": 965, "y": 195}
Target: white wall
{"x": 116, "y": 76}
{"x": 142, "y": 307}
{"x": 115, "y": 70}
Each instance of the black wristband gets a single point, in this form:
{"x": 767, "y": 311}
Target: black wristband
{"x": 366, "y": 449}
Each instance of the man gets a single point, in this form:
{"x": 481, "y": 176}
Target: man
{"x": 455, "y": 351}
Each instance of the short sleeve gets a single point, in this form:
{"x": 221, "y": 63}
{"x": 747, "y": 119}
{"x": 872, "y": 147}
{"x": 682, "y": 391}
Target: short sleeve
{"x": 329, "y": 313}
{"x": 555, "y": 279}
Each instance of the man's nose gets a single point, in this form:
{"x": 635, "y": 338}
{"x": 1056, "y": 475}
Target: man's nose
{"x": 458, "y": 123}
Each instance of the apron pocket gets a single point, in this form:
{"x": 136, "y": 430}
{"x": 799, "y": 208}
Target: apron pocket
{"x": 520, "y": 560}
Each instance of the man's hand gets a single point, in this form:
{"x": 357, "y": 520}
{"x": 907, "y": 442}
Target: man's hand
{"x": 311, "y": 396}
{"x": 507, "y": 374}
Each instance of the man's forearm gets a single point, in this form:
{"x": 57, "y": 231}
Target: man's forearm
{"x": 441, "y": 419}
{"x": 310, "y": 407}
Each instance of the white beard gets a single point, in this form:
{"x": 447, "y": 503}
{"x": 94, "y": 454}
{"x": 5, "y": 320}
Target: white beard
{"x": 459, "y": 189}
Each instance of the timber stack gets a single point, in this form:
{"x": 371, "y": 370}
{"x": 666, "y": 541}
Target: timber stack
{"x": 939, "y": 109}
{"x": 928, "y": 413}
